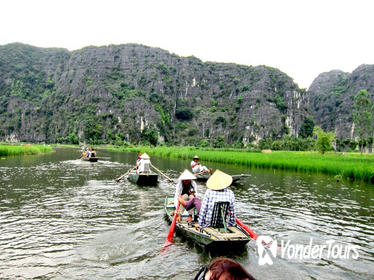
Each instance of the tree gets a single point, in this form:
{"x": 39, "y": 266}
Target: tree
{"x": 219, "y": 142}
{"x": 184, "y": 114}
{"x": 363, "y": 116}
{"x": 324, "y": 139}
{"x": 306, "y": 129}
{"x": 151, "y": 136}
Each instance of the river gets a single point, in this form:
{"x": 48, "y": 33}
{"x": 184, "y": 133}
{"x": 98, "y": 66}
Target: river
{"x": 62, "y": 218}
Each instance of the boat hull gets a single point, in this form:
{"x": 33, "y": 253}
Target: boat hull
{"x": 91, "y": 159}
{"x": 150, "y": 179}
{"x": 209, "y": 237}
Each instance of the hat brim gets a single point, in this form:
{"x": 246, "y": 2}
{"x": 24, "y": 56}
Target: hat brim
{"x": 186, "y": 175}
{"x": 219, "y": 181}
{"x": 144, "y": 156}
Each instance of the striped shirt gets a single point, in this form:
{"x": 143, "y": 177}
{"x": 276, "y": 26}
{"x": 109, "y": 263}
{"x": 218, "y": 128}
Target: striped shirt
{"x": 210, "y": 197}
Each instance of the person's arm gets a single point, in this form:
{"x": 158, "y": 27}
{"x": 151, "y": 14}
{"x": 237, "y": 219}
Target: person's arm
{"x": 178, "y": 191}
{"x": 232, "y": 221}
{"x": 194, "y": 185}
{"x": 204, "y": 209}
{"x": 193, "y": 164}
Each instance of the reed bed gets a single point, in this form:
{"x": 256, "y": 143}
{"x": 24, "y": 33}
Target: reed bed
{"x": 352, "y": 166}
{"x": 19, "y": 150}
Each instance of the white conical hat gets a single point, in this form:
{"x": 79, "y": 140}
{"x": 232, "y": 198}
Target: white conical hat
{"x": 219, "y": 181}
{"x": 144, "y": 156}
{"x": 186, "y": 175}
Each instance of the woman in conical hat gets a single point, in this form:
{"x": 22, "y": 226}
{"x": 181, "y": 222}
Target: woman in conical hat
{"x": 143, "y": 163}
{"x": 217, "y": 191}
{"x": 185, "y": 191}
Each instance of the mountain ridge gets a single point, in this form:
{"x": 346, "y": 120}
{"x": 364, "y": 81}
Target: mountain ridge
{"x": 137, "y": 93}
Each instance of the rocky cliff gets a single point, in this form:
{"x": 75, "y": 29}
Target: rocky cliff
{"x": 133, "y": 92}
{"x": 331, "y": 98}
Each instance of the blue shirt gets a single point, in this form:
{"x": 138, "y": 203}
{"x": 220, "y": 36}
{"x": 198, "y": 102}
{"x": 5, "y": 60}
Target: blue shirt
{"x": 210, "y": 197}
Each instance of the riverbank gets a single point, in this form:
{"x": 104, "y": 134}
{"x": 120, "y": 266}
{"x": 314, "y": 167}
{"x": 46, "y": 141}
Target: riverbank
{"x": 352, "y": 166}
{"x": 23, "y": 149}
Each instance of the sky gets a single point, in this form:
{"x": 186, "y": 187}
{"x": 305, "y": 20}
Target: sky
{"x": 302, "y": 38}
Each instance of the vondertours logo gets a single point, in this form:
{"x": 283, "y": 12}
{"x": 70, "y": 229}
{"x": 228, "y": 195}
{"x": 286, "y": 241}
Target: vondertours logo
{"x": 269, "y": 249}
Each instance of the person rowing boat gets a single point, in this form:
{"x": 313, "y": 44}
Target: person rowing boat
{"x": 186, "y": 193}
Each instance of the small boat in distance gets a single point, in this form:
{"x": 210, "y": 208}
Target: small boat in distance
{"x": 230, "y": 237}
{"x": 143, "y": 179}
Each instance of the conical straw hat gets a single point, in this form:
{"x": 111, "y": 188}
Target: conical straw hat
{"x": 186, "y": 175}
{"x": 219, "y": 181}
{"x": 144, "y": 156}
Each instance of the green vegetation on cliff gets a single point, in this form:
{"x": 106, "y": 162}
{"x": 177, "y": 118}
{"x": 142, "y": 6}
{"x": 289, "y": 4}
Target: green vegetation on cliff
{"x": 140, "y": 94}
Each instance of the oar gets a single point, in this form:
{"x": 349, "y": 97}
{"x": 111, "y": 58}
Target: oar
{"x": 170, "y": 180}
{"x": 119, "y": 178}
{"x": 169, "y": 239}
{"x": 247, "y": 229}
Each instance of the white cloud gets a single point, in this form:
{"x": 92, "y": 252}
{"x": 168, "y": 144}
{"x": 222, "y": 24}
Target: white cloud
{"x": 302, "y": 38}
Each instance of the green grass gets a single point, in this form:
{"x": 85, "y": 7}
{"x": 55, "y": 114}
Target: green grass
{"x": 352, "y": 166}
{"x": 24, "y": 149}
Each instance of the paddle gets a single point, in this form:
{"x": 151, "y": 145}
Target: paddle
{"x": 119, "y": 178}
{"x": 170, "y": 180}
{"x": 247, "y": 229}
{"x": 169, "y": 239}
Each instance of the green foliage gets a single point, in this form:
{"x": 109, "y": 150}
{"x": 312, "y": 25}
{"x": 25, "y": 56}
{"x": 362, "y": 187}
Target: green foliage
{"x": 163, "y": 69}
{"x": 292, "y": 143}
{"x": 184, "y": 114}
{"x": 93, "y": 131}
{"x": 324, "y": 139}
{"x": 220, "y": 120}
{"x": 219, "y": 142}
{"x": 150, "y": 136}
{"x": 363, "y": 115}
{"x": 204, "y": 143}
{"x": 72, "y": 138}
{"x": 18, "y": 150}
{"x": 279, "y": 102}
{"x": 306, "y": 129}
{"x": 346, "y": 145}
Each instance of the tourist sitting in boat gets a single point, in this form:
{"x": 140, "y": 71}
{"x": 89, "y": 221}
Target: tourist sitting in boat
{"x": 217, "y": 192}
{"x": 92, "y": 152}
{"x": 88, "y": 153}
{"x": 197, "y": 168}
{"x": 138, "y": 160}
{"x": 194, "y": 203}
{"x": 186, "y": 190}
{"x": 223, "y": 268}
{"x": 144, "y": 164}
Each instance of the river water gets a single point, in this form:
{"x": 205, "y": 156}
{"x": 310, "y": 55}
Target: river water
{"x": 61, "y": 218}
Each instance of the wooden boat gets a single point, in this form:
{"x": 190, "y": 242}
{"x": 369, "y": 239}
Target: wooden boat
{"x": 91, "y": 159}
{"x": 143, "y": 179}
{"x": 235, "y": 178}
{"x": 209, "y": 236}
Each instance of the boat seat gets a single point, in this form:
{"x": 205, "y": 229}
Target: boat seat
{"x": 219, "y": 215}
{"x": 233, "y": 232}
